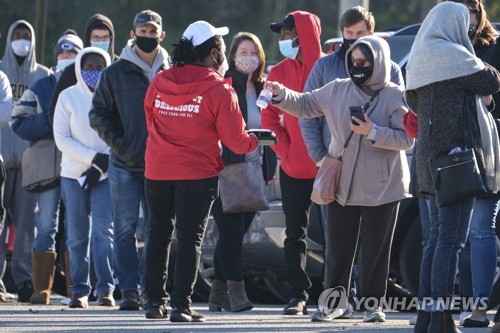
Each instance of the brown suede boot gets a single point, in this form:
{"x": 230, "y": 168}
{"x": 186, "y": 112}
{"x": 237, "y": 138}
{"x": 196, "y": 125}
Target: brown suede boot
{"x": 238, "y": 296}
{"x": 43, "y": 264}
{"x": 67, "y": 274}
{"x": 219, "y": 297}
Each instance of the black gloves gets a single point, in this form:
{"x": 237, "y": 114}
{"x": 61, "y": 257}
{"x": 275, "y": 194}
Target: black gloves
{"x": 92, "y": 178}
{"x": 102, "y": 161}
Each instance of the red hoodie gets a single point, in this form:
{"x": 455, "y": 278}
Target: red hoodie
{"x": 188, "y": 110}
{"x": 293, "y": 74}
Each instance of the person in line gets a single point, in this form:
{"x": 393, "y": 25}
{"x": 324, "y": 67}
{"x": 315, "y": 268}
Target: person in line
{"x": 246, "y": 67}
{"x": 5, "y": 114}
{"x": 99, "y": 32}
{"x": 118, "y": 117}
{"x": 478, "y": 258}
{"x": 30, "y": 122}
{"x": 374, "y": 176}
{"x": 189, "y": 108}
{"x": 300, "y": 43}
{"x": 20, "y": 66}
{"x": 446, "y": 91}
{"x": 84, "y": 185}
{"x": 356, "y": 22}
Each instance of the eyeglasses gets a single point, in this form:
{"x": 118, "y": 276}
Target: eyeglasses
{"x": 97, "y": 38}
{"x": 360, "y": 62}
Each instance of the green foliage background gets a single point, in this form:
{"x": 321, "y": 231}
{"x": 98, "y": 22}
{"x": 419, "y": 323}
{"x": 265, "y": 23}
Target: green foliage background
{"x": 238, "y": 15}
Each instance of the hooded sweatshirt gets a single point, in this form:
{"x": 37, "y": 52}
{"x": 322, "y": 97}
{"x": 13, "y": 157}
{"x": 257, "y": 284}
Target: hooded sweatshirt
{"x": 374, "y": 171}
{"x": 21, "y": 77}
{"x": 74, "y": 137}
{"x": 160, "y": 63}
{"x": 97, "y": 21}
{"x": 188, "y": 110}
{"x": 295, "y": 160}
{"x": 68, "y": 77}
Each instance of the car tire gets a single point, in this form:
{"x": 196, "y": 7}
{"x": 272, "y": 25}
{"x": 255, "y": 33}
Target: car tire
{"x": 279, "y": 288}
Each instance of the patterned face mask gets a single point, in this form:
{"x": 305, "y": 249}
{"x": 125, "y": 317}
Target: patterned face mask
{"x": 246, "y": 64}
{"x": 91, "y": 77}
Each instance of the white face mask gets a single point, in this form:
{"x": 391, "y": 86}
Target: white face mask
{"x": 21, "y": 47}
{"x": 223, "y": 67}
{"x": 63, "y": 63}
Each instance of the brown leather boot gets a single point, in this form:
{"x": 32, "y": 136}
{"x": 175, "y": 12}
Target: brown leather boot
{"x": 43, "y": 264}
{"x": 219, "y": 297}
{"x": 238, "y": 296}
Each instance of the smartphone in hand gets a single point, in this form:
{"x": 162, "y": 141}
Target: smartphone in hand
{"x": 359, "y": 113}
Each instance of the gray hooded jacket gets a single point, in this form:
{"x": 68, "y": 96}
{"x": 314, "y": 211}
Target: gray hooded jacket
{"x": 21, "y": 77}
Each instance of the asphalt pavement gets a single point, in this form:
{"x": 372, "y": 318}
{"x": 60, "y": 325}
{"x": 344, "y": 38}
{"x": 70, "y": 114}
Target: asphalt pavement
{"x": 17, "y": 317}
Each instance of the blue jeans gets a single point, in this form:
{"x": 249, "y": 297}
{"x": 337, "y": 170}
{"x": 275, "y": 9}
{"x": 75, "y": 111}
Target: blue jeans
{"x": 187, "y": 203}
{"x": 428, "y": 217}
{"x": 127, "y": 191}
{"x": 476, "y": 276}
{"x": 447, "y": 234}
{"x": 47, "y": 220}
{"x": 85, "y": 232}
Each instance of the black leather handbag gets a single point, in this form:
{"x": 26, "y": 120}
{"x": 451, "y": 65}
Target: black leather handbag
{"x": 455, "y": 176}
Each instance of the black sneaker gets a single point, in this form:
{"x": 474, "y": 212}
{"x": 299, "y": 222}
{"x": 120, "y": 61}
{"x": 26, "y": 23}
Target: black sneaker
{"x": 130, "y": 300}
{"x": 24, "y": 294}
{"x": 295, "y": 307}
{"x": 185, "y": 315}
{"x": 156, "y": 311}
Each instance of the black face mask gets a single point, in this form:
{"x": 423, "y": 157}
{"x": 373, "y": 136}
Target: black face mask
{"x": 359, "y": 75}
{"x": 346, "y": 44}
{"x": 472, "y": 30}
{"x": 147, "y": 44}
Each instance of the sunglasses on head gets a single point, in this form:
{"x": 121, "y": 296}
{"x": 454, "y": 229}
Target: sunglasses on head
{"x": 360, "y": 62}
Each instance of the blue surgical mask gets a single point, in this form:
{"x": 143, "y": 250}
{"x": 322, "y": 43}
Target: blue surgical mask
{"x": 91, "y": 77}
{"x": 102, "y": 45}
{"x": 63, "y": 63}
{"x": 287, "y": 49}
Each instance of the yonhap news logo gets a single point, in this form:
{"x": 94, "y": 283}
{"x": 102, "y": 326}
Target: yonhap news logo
{"x": 333, "y": 301}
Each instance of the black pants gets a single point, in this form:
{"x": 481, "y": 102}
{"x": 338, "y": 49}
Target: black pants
{"x": 187, "y": 202}
{"x": 296, "y": 197}
{"x": 228, "y": 251}
{"x": 374, "y": 228}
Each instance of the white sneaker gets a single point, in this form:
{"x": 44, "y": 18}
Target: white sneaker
{"x": 464, "y": 315}
{"x": 374, "y": 315}
{"x": 66, "y": 301}
{"x": 348, "y": 313}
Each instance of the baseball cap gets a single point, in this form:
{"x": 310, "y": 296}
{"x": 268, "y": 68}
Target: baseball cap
{"x": 68, "y": 42}
{"x": 147, "y": 17}
{"x": 287, "y": 22}
{"x": 200, "y": 31}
